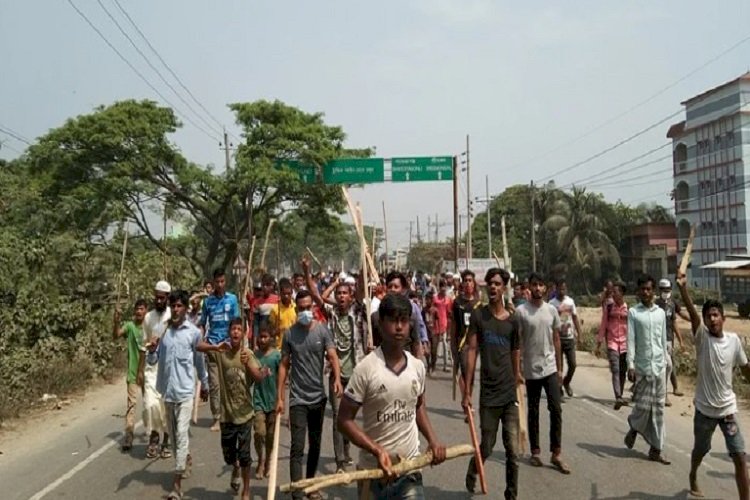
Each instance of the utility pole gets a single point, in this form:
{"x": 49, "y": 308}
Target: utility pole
{"x": 385, "y": 233}
{"x": 455, "y": 214}
{"x": 506, "y": 262}
{"x": 436, "y": 229}
{"x": 227, "y": 147}
{"x": 429, "y": 228}
{"x": 468, "y": 201}
{"x": 533, "y": 229}
{"x": 489, "y": 219}
{"x": 411, "y": 228}
{"x": 419, "y": 233}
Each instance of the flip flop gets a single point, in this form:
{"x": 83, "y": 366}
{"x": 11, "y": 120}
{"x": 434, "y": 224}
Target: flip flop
{"x": 152, "y": 451}
{"x": 536, "y": 461}
{"x": 174, "y": 495}
{"x": 560, "y": 466}
{"x": 165, "y": 452}
{"x": 235, "y": 482}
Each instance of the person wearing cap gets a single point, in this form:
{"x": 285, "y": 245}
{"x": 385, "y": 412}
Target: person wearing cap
{"x": 671, "y": 308}
{"x": 154, "y": 325}
{"x": 219, "y": 309}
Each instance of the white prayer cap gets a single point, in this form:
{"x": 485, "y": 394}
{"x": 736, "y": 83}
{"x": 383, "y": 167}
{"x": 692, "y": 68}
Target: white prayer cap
{"x": 665, "y": 283}
{"x": 162, "y": 286}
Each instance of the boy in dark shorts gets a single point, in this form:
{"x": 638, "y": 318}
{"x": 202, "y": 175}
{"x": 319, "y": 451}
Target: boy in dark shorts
{"x": 718, "y": 353}
{"x": 238, "y": 369}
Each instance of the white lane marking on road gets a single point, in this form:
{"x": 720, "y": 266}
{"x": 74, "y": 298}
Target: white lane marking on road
{"x": 622, "y": 420}
{"x": 78, "y": 468}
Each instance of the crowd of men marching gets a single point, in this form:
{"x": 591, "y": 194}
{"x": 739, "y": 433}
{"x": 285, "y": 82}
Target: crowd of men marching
{"x": 293, "y": 346}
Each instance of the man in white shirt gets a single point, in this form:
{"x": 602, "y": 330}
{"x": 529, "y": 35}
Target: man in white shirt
{"x": 718, "y": 353}
{"x": 569, "y": 330}
{"x": 154, "y": 418}
{"x": 389, "y": 386}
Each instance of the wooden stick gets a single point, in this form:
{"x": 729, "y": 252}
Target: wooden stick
{"x": 272, "y": 473}
{"x": 365, "y": 280}
{"x": 318, "y": 483}
{"x": 688, "y": 251}
{"x": 455, "y": 377}
{"x": 245, "y": 288}
{"x": 523, "y": 432}
{"x": 477, "y": 452}
{"x": 196, "y": 401}
{"x": 265, "y": 244}
{"x": 315, "y": 258}
{"x": 122, "y": 263}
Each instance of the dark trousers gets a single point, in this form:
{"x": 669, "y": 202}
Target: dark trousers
{"x": 551, "y": 388}
{"x": 618, "y": 366}
{"x": 305, "y": 418}
{"x": 489, "y": 422}
{"x": 569, "y": 352}
{"x": 340, "y": 443}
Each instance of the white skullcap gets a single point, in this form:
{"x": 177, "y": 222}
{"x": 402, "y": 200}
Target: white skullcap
{"x": 665, "y": 283}
{"x": 349, "y": 280}
{"x": 162, "y": 286}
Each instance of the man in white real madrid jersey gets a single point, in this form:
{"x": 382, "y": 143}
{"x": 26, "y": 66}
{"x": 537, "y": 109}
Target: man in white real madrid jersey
{"x": 388, "y": 384}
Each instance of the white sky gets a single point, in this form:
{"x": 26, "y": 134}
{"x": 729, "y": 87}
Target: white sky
{"x": 411, "y": 78}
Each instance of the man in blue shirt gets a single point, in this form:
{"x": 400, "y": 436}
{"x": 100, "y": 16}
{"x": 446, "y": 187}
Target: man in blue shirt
{"x": 177, "y": 353}
{"x": 219, "y": 309}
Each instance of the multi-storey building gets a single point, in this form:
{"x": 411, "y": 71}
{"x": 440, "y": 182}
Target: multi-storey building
{"x": 711, "y": 148}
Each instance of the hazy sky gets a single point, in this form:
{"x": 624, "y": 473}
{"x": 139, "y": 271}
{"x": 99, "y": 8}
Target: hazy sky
{"x": 409, "y": 77}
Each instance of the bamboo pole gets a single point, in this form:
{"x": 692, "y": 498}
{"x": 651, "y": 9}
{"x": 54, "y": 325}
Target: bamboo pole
{"x": 314, "y": 257}
{"x": 122, "y": 264}
{"x": 688, "y": 252}
{"x": 523, "y": 431}
{"x": 365, "y": 280}
{"x": 477, "y": 452}
{"x": 318, "y": 483}
{"x": 265, "y": 245}
{"x": 273, "y": 472}
{"x": 245, "y": 288}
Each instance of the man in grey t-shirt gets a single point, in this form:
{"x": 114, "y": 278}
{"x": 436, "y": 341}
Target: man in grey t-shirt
{"x": 539, "y": 325}
{"x": 302, "y": 355}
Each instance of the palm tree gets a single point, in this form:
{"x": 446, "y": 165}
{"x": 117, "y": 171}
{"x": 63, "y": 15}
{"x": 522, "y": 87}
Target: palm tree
{"x": 582, "y": 245}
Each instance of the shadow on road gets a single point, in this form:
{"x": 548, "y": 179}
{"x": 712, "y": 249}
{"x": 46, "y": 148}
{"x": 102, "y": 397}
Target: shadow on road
{"x": 456, "y": 413}
{"x": 639, "y": 495}
{"x": 609, "y": 403}
{"x": 605, "y": 451}
{"x": 433, "y": 492}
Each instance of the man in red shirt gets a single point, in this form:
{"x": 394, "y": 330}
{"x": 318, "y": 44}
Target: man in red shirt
{"x": 442, "y": 304}
{"x": 613, "y": 331}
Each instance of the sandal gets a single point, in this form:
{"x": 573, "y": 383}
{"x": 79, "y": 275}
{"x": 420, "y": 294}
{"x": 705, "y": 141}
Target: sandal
{"x": 536, "y": 461}
{"x": 560, "y": 466}
{"x": 165, "y": 452}
{"x": 174, "y": 495}
{"x": 235, "y": 482}
{"x": 152, "y": 451}
{"x": 188, "y": 467}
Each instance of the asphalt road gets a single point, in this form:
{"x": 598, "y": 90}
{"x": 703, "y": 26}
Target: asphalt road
{"x": 74, "y": 453}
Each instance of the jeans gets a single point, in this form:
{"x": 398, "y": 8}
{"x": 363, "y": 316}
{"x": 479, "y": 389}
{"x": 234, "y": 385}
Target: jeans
{"x": 438, "y": 340}
{"x": 703, "y": 431}
{"x": 340, "y": 443}
{"x": 489, "y": 422}
{"x": 213, "y": 385}
{"x": 551, "y": 388}
{"x": 405, "y": 487}
{"x": 618, "y": 366}
{"x": 305, "y": 418}
{"x": 569, "y": 351}
{"x": 178, "y": 422}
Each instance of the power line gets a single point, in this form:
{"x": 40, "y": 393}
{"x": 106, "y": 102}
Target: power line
{"x": 15, "y": 135}
{"x": 169, "y": 68}
{"x": 637, "y": 105}
{"x": 606, "y": 174}
{"x": 4, "y": 144}
{"x": 624, "y": 183}
{"x": 135, "y": 70}
{"x": 155, "y": 69}
{"x": 609, "y": 149}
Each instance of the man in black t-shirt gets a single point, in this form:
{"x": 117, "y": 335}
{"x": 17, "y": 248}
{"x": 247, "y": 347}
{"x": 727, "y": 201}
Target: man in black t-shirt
{"x": 494, "y": 333}
{"x": 464, "y": 304}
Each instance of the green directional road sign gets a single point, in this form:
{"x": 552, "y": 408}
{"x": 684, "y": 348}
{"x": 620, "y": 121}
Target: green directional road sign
{"x": 354, "y": 171}
{"x": 307, "y": 173}
{"x": 422, "y": 168}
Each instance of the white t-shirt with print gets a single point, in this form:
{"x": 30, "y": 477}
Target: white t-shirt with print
{"x": 566, "y": 308}
{"x": 717, "y": 357}
{"x": 389, "y": 404}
